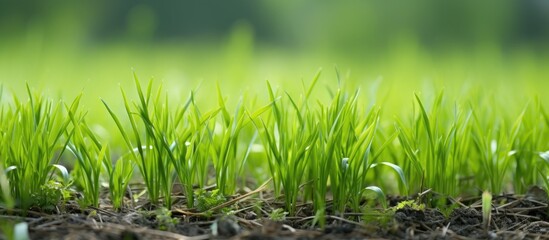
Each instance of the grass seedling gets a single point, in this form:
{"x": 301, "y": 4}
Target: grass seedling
{"x": 486, "y": 209}
{"x": 530, "y": 140}
{"x": 278, "y": 215}
{"x": 117, "y": 174}
{"x": 493, "y": 141}
{"x": 345, "y": 142}
{"x": 190, "y": 144}
{"x": 435, "y": 145}
{"x": 289, "y": 137}
{"x": 228, "y": 152}
{"x": 150, "y": 151}
{"x": 380, "y": 195}
{"x": 168, "y": 141}
{"x": 32, "y": 144}
{"x": 341, "y": 151}
{"x": 119, "y": 177}
{"x": 89, "y": 153}
{"x": 219, "y": 141}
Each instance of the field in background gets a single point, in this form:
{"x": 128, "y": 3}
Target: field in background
{"x": 237, "y": 64}
{"x": 65, "y": 48}
{"x": 512, "y": 77}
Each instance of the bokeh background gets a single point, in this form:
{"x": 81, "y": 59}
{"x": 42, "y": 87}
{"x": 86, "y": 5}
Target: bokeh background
{"x": 390, "y": 48}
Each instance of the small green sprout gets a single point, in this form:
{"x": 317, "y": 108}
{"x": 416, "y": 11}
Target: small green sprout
{"x": 206, "y": 200}
{"x": 380, "y": 196}
{"x": 164, "y": 219}
{"x": 52, "y": 193}
{"x": 320, "y": 218}
{"x": 486, "y": 209}
{"x": 409, "y": 204}
{"x": 278, "y": 215}
{"x": 119, "y": 179}
{"x": 89, "y": 153}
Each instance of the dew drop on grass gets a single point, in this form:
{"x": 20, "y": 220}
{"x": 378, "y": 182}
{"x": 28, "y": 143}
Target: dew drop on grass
{"x": 218, "y": 129}
{"x": 174, "y": 144}
{"x": 257, "y": 148}
{"x": 101, "y": 131}
{"x": 544, "y": 155}
{"x": 494, "y": 146}
{"x": 345, "y": 163}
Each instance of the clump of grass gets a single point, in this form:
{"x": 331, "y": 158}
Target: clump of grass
{"x": 169, "y": 143}
{"x": 493, "y": 143}
{"x": 347, "y": 152}
{"x": 289, "y": 137}
{"x": 32, "y": 144}
{"x": 190, "y": 143}
{"x": 480, "y": 140}
{"x": 435, "y": 143}
{"x": 229, "y": 152}
{"x": 150, "y": 150}
{"x": 531, "y": 139}
{"x": 90, "y": 155}
{"x": 278, "y": 215}
{"x": 344, "y": 149}
{"x": 321, "y": 148}
{"x": 119, "y": 177}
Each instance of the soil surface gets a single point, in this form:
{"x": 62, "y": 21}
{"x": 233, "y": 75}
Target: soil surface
{"x": 512, "y": 217}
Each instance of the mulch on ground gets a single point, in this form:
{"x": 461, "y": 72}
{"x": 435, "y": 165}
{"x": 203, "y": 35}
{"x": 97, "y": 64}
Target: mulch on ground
{"x": 513, "y": 217}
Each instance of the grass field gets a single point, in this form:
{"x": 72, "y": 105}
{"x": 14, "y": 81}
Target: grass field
{"x": 456, "y": 124}
{"x": 274, "y": 120}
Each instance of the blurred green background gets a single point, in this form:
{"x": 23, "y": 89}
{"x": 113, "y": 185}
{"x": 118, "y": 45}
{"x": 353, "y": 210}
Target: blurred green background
{"x": 63, "y": 48}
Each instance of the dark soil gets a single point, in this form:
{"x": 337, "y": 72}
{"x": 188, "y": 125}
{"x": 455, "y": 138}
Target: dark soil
{"x": 513, "y": 217}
